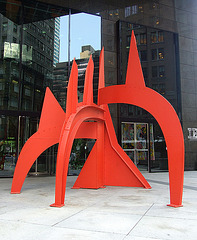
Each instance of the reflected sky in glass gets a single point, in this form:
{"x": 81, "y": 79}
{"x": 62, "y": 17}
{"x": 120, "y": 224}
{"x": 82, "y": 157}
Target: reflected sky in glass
{"x": 85, "y": 30}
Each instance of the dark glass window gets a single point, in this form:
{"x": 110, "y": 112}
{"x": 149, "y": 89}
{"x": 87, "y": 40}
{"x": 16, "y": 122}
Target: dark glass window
{"x": 153, "y": 37}
{"x": 16, "y": 88}
{"x": 4, "y": 27}
{"x": 137, "y": 36}
{"x": 131, "y": 110}
{"x": 160, "y": 36}
{"x": 4, "y": 39}
{"x": 13, "y": 102}
{"x": 15, "y": 28}
{"x": 162, "y": 89}
{"x": 129, "y": 39}
{"x": 161, "y": 71}
{"x": 155, "y": 87}
{"x": 145, "y": 72}
{"x": 154, "y": 71}
{"x": 158, "y": 71}
{"x": 157, "y": 54}
{"x": 129, "y": 26}
{"x": 141, "y": 9}
{"x": 134, "y": 9}
{"x": 27, "y": 91}
{"x": 127, "y": 11}
{"x": 161, "y": 53}
{"x": 143, "y": 38}
{"x": 14, "y": 40}
{"x": 157, "y": 36}
{"x": 143, "y": 55}
{"x": 159, "y": 88}
{"x": 154, "y": 54}
{"x": 2, "y": 86}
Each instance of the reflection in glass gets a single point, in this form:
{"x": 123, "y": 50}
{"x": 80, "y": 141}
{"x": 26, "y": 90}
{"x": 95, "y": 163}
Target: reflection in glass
{"x": 161, "y": 53}
{"x": 135, "y": 141}
{"x": 128, "y": 136}
{"x": 141, "y": 136}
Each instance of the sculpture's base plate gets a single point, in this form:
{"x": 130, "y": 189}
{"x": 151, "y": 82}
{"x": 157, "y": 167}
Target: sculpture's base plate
{"x": 57, "y": 205}
{"x": 15, "y": 192}
{"x": 88, "y": 187}
{"x": 175, "y": 206}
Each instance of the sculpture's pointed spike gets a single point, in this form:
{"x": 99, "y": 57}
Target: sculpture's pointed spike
{"x": 88, "y": 85}
{"x": 101, "y": 83}
{"x": 72, "y": 96}
{"x": 48, "y": 134}
{"x": 134, "y": 76}
{"x": 50, "y": 110}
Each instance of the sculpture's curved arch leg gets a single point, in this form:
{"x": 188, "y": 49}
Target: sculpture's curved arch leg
{"x": 168, "y": 120}
{"x": 67, "y": 137}
{"x": 30, "y": 152}
{"x": 51, "y": 121}
{"x": 63, "y": 156}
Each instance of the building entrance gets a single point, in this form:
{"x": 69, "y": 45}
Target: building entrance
{"x": 137, "y": 142}
{"x": 14, "y": 132}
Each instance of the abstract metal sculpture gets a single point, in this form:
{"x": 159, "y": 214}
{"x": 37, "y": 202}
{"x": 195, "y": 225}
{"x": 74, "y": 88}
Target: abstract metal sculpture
{"x": 107, "y": 163}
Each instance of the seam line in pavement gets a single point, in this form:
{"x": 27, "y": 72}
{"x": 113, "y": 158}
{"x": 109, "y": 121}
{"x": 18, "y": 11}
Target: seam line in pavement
{"x": 166, "y": 183}
{"x": 138, "y": 221}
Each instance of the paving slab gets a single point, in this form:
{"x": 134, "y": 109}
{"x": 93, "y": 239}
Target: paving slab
{"x": 164, "y": 228}
{"x": 109, "y": 213}
{"x": 101, "y": 222}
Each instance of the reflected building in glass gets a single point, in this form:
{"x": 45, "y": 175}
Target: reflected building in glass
{"x": 26, "y": 70}
{"x": 61, "y": 75}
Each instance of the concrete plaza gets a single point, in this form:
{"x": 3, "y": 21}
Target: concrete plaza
{"x": 110, "y": 213}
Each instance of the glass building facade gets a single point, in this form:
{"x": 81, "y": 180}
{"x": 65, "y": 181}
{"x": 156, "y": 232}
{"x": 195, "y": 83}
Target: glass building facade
{"x": 166, "y": 35}
{"x": 158, "y": 52}
{"x": 27, "y": 40}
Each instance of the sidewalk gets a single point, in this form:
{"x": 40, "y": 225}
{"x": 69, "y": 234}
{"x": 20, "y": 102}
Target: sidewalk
{"x": 111, "y": 213}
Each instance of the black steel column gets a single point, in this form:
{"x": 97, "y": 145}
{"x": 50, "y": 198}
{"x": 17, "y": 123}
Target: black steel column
{"x": 149, "y": 153}
{"x": 20, "y": 76}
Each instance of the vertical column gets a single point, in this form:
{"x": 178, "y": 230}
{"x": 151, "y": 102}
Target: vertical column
{"x": 149, "y": 146}
{"x": 100, "y": 154}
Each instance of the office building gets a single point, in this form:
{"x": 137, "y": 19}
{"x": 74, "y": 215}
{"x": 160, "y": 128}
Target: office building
{"x": 24, "y": 78}
{"x": 166, "y": 35}
{"x": 177, "y": 21}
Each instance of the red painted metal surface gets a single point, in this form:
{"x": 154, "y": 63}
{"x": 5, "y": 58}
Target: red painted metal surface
{"x": 135, "y": 92}
{"x": 107, "y": 163}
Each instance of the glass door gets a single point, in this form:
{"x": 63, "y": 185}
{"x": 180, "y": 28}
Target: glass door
{"x": 128, "y": 139}
{"x": 135, "y": 142}
{"x": 46, "y": 162}
{"x": 42, "y": 164}
{"x": 141, "y": 144}
{"x": 8, "y": 145}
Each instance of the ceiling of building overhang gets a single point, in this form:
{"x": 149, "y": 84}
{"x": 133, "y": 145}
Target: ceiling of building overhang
{"x": 31, "y": 10}
{"x": 45, "y": 9}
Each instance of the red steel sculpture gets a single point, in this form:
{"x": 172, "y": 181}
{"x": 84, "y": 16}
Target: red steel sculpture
{"x": 107, "y": 163}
